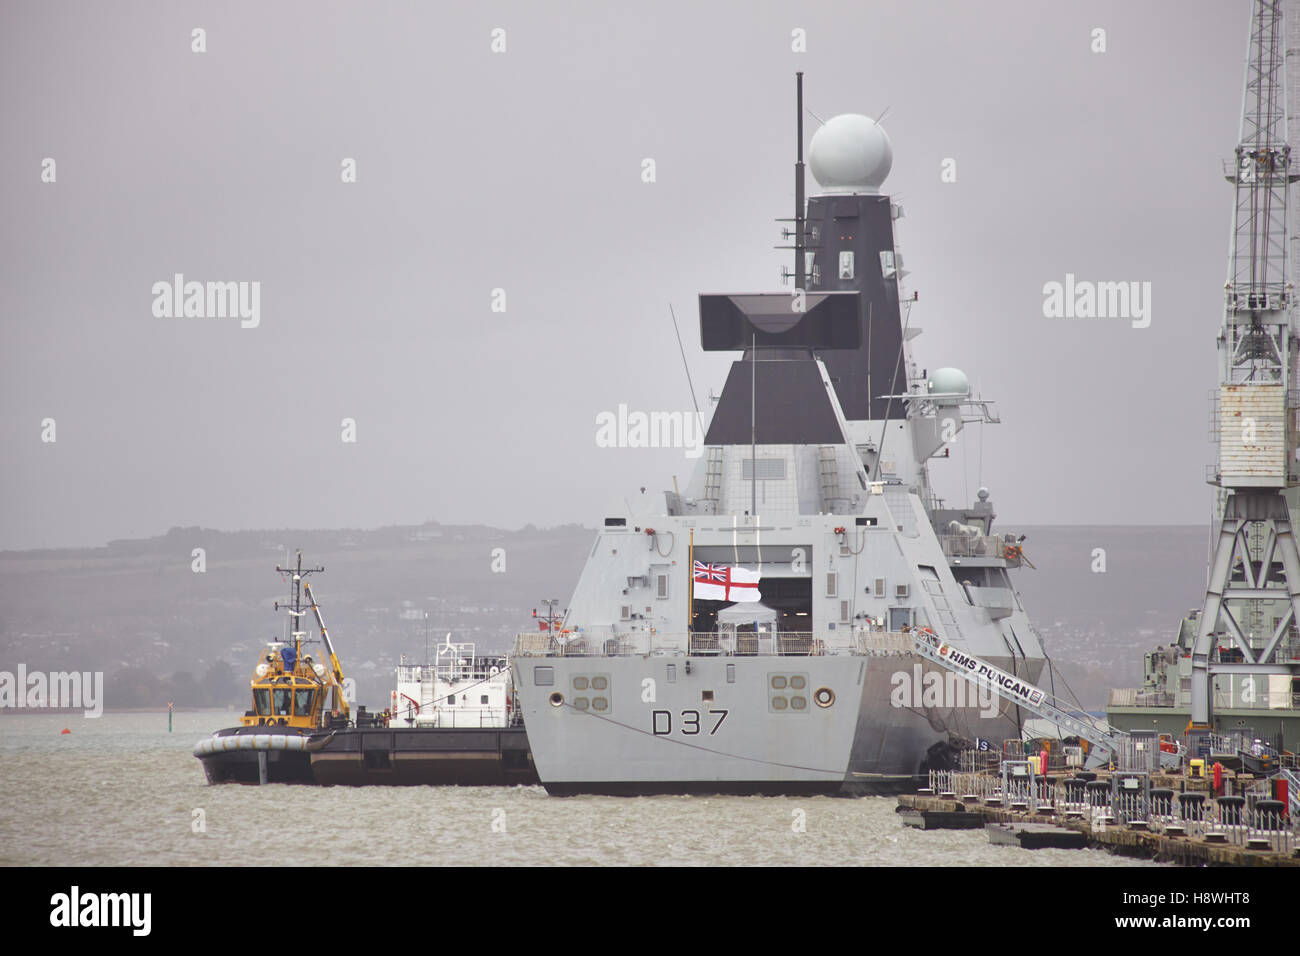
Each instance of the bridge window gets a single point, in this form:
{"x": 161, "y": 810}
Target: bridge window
{"x": 283, "y": 701}
{"x": 302, "y": 702}
{"x": 262, "y": 701}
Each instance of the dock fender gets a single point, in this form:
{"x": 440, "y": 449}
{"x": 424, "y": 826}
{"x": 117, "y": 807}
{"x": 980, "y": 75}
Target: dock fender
{"x": 940, "y": 756}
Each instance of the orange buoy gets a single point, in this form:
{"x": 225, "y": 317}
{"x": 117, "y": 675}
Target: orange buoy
{"x": 65, "y": 730}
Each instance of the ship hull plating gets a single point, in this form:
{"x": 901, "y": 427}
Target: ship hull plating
{"x": 242, "y": 764}
{"x": 693, "y": 730}
{"x": 423, "y": 757}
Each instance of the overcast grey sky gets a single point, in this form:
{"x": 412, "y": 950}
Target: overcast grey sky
{"x": 522, "y": 171}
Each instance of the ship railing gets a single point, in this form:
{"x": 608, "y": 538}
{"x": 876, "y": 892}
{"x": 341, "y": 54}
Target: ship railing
{"x": 978, "y": 545}
{"x": 1135, "y": 697}
{"x": 866, "y": 642}
{"x": 481, "y": 717}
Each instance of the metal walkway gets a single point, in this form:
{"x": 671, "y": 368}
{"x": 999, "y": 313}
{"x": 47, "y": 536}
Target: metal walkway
{"x": 1106, "y": 740}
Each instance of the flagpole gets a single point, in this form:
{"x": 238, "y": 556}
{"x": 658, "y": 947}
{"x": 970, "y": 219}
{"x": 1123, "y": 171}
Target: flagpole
{"x": 690, "y": 599}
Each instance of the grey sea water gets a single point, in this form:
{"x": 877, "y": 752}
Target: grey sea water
{"x": 121, "y": 790}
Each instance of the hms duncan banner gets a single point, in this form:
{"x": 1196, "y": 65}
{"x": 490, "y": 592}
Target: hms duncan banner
{"x": 1027, "y": 693}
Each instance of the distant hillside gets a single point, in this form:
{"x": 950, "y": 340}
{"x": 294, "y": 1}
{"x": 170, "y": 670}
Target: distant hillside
{"x": 137, "y": 611}
{"x": 138, "y": 607}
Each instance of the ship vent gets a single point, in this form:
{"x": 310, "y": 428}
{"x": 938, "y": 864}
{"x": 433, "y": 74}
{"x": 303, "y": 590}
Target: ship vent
{"x": 769, "y": 469}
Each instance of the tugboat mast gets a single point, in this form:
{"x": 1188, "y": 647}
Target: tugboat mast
{"x": 296, "y": 610}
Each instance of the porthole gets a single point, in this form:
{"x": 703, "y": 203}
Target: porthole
{"x": 798, "y": 682}
{"x": 778, "y": 682}
{"x": 581, "y": 703}
{"x": 599, "y": 683}
{"x": 580, "y": 683}
{"x": 779, "y": 703}
{"x": 599, "y": 703}
{"x": 823, "y": 697}
{"x": 798, "y": 702}
{"x": 557, "y": 699}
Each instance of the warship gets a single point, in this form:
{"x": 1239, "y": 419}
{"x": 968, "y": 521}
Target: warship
{"x": 758, "y": 634}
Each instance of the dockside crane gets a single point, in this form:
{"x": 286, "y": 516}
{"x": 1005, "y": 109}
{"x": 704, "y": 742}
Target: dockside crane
{"x": 1252, "y": 596}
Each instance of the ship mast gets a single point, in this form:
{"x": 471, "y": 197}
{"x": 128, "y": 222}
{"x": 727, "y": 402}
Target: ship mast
{"x": 297, "y": 609}
{"x": 1255, "y": 561}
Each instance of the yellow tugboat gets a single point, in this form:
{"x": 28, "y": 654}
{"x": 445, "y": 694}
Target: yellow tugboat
{"x": 294, "y": 696}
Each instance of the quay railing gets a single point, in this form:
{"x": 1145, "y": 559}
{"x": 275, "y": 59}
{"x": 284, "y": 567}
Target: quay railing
{"x": 1250, "y": 820}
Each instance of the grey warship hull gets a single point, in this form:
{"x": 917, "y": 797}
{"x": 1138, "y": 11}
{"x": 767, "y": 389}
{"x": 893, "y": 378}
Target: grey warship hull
{"x": 737, "y": 743}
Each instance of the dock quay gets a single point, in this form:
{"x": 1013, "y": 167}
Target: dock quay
{"x": 1163, "y": 817}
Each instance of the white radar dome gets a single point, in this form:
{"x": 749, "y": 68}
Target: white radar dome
{"x": 850, "y": 153}
{"x": 948, "y": 381}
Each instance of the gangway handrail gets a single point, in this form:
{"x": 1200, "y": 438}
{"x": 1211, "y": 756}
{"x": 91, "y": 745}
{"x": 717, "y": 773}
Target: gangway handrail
{"x": 1037, "y": 701}
{"x": 1293, "y": 787}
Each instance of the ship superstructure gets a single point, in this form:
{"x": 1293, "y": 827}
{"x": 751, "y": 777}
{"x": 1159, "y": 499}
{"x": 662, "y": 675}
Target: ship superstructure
{"x": 459, "y": 688}
{"x": 756, "y": 634}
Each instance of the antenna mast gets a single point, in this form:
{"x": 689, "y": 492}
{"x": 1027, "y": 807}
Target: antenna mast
{"x": 799, "y": 244}
{"x": 296, "y": 609}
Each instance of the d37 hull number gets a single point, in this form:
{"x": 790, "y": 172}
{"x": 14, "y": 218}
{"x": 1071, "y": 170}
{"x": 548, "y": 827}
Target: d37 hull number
{"x": 688, "y": 722}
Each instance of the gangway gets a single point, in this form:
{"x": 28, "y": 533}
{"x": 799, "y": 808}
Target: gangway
{"x": 1106, "y": 740}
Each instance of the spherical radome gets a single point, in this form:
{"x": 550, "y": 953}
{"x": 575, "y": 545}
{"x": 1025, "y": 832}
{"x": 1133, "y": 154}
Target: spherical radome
{"x": 850, "y": 153}
{"x": 948, "y": 381}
